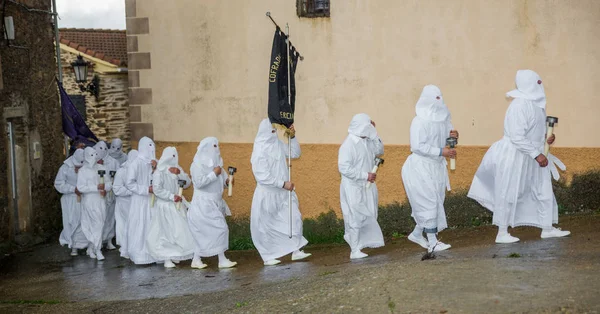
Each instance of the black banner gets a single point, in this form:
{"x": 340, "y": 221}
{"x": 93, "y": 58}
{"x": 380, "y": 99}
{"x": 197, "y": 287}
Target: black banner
{"x": 280, "y": 110}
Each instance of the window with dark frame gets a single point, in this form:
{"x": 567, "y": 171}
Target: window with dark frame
{"x": 312, "y": 8}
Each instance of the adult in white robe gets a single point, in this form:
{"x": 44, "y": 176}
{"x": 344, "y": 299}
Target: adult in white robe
{"x": 169, "y": 238}
{"x": 206, "y": 216}
{"x": 116, "y": 151}
{"x": 123, "y": 203}
{"x": 356, "y": 159}
{"x": 270, "y": 217}
{"x": 111, "y": 165}
{"x": 424, "y": 173}
{"x": 139, "y": 175}
{"x": 514, "y": 179}
{"x": 66, "y": 184}
{"x": 93, "y": 204}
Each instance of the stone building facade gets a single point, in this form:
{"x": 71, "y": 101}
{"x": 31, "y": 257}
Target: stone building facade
{"x": 29, "y": 103}
{"x": 107, "y": 116}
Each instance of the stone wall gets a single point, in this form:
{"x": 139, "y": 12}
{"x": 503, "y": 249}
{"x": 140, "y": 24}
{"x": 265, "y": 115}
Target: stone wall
{"x": 107, "y": 117}
{"x": 29, "y": 100}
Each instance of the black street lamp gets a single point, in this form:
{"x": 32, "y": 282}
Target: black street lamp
{"x": 80, "y": 68}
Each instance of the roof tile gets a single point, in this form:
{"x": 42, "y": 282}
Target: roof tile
{"x": 105, "y": 44}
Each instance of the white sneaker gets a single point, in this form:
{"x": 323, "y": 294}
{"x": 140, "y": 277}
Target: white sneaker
{"x": 99, "y": 255}
{"x": 555, "y": 233}
{"x": 418, "y": 240}
{"x": 439, "y": 246}
{"x": 298, "y": 255}
{"x": 110, "y": 246}
{"x": 506, "y": 238}
{"x": 89, "y": 251}
{"x": 92, "y": 254}
{"x": 74, "y": 252}
{"x": 358, "y": 255}
{"x": 169, "y": 264}
{"x": 227, "y": 264}
{"x": 197, "y": 263}
{"x": 272, "y": 262}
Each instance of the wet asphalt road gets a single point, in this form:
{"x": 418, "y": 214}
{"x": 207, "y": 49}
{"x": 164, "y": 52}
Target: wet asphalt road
{"x": 552, "y": 275}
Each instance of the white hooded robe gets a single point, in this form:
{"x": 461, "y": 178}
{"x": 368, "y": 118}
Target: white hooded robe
{"x": 206, "y": 216}
{"x": 93, "y": 205}
{"x": 169, "y": 236}
{"x": 123, "y": 203}
{"x": 116, "y": 151}
{"x": 270, "y": 217}
{"x": 139, "y": 174}
{"x": 66, "y": 183}
{"x": 424, "y": 173}
{"x": 509, "y": 181}
{"x": 111, "y": 165}
{"x": 356, "y": 159}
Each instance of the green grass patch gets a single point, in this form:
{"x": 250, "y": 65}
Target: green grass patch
{"x": 241, "y": 304}
{"x": 514, "y": 255}
{"x": 580, "y": 197}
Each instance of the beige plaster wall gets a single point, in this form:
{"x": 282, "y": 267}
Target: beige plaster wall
{"x": 210, "y": 63}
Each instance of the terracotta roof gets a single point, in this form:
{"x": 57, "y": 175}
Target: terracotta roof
{"x": 106, "y": 44}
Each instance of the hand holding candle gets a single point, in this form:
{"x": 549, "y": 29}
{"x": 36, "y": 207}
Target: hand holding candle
{"x": 101, "y": 173}
{"x": 180, "y": 192}
{"x": 378, "y": 162}
{"x": 550, "y": 121}
{"x": 152, "y": 197}
{"x": 451, "y": 142}
{"x": 231, "y": 170}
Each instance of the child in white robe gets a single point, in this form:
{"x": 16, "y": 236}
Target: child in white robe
{"x": 360, "y": 204}
{"x": 70, "y": 201}
{"x": 169, "y": 238}
{"x": 123, "y": 203}
{"x": 93, "y": 204}
{"x": 206, "y": 216}
{"x": 424, "y": 173}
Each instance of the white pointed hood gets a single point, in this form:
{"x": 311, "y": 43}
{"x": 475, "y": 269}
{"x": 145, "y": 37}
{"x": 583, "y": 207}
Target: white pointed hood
{"x": 146, "y": 150}
{"x": 116, "y": 149}
{"x": 361, "y": 126}
{"x": 101, "y": 149}
{"x": 169, "y": 159}
{"x": 431, "y": 106}
{"x": 529, "y": 87}
{"x": 265, "y": 142}
{"x": 90, "y": 157}
{"x": 76, "y": 160}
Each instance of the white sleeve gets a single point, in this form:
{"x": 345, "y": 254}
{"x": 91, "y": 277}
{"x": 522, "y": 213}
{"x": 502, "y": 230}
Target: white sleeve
{"x": 263, "y": 176}
{"x": 418, "y": 140}
{"x": 60, "y": 182}
{"x": 296, "y": 152}
{"x": 518, "y": 120}
{"x": 119, "y": 186}
{"x": 157, "y": 187}
{"x": 202, "y": 179}
{"x": 131, "y": 181}
{"x": 83, "y": 184}
{"x": 376, "y": 145}
{"x": 346, "y": 164}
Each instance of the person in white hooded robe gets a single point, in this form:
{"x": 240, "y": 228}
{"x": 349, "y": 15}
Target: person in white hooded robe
{"x": 269, "y": 215}
{"x": 111, "y": 165}
{"x": 169, "y": 238}
{"x": 66, "y": 184}
{"x": 123, "y": 203}
{"x": 116, "y": 151}
{"x": 514, "y": 179}
{"x": 424, "y": 173}
{"x": 93, "y": 204}
{"x": 206, "y": 216}
{"x": 138, "y": 181}
{"x": 356, "y": 159}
